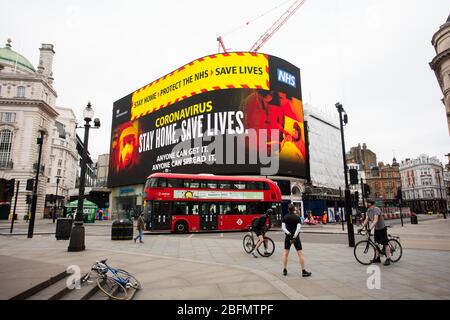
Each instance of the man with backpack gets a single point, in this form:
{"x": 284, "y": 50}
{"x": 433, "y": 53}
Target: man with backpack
{"x": 259, "y": 227}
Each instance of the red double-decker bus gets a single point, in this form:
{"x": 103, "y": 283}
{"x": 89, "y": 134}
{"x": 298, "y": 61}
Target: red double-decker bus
{"x": 196, "y": 202}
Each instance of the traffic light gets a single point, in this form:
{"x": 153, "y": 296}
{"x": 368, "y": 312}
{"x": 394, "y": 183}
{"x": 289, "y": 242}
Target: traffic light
{"x": 356, "y": 198}
{"x": 29, "y": 198}
{"x": 9, "y": 188}
{"x": 366, "y": 190}
{"x": 30, "y": 184}
{"x": 353, "y": 176}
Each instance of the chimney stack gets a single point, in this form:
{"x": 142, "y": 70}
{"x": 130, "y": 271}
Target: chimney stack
{"x": 46, "y": 61}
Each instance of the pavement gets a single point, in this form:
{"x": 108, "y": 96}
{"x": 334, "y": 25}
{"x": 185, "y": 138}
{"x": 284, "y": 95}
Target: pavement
{"x": 215, "y": 266}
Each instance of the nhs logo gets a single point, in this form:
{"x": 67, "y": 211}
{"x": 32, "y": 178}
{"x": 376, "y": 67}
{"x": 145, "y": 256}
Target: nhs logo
{"x": 286, "y": 77}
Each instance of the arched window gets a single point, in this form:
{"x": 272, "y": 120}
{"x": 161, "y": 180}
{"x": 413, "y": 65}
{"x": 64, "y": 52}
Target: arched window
{"x": 5, "y": 147}
{"x": 21, "y": 92}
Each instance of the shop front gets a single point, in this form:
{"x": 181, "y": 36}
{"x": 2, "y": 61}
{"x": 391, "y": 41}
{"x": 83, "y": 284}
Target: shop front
{"x": 126, "y": 202}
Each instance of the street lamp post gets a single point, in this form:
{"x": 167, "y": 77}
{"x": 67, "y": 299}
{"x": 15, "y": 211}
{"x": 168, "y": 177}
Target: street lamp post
{"x": 56, "y": 199}
{"x": 348, "y": 205}
{"x": 442, "y": 197}
{"x": 40, "y": 142}
{"x": 400, "y": 200}
{"x": 77, "y": 234}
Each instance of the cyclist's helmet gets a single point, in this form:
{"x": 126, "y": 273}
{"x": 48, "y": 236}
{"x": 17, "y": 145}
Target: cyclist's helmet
{"x": 269, "y": 212}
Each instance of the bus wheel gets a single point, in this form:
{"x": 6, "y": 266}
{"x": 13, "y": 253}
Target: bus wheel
{"x": 181, "y": 227}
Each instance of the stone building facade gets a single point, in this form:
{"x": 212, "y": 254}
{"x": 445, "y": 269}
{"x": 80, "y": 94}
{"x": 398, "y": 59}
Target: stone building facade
{"x": 423, "y": 184}
{"x": 63, "y": 158}
{"x": 441, "y": 63}
{"x": 27, "y": 106}
{"x": 101, "y": 168}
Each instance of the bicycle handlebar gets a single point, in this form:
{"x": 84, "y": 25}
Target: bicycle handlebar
{"x": 364, "y": 232}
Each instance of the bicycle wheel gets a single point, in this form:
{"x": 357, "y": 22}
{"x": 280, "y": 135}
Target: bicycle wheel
{"x": 131, "y": 279}
{"x": 248, "y": 243}
{"x": 364, "y": 252}
{"x": 396, "y": 249}
{"x": 267, "y": 248}
{"x": 112, "y": 288}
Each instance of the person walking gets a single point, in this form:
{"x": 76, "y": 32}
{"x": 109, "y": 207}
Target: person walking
{"x": 375, "y": 217}
{"x": 291, "y": 226}
{"x": 140, "y": 228}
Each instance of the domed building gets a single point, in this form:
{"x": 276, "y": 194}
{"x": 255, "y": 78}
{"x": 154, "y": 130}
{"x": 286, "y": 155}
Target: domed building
{"x": 441, "y": 63}
{"x": 27, "y": 109}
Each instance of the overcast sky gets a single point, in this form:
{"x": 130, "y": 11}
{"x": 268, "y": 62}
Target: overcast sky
{"x": 370, "y": 55}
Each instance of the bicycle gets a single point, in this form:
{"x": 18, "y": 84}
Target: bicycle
{"x": 249, "y": 244}
{"x": 365, "y": 250}
{"x": 115, "y": 285}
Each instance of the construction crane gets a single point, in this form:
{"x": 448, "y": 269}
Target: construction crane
{"x": 271, "y": 31}
{"x": 277, "y": 25}
{"x": 221, "y": 44}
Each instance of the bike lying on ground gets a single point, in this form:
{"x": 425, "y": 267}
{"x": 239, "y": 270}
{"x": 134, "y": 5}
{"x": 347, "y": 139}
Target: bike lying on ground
{"x": 249, "y": 244}
{"x": 115, "y": 284}
{"x": 366, "y": 250}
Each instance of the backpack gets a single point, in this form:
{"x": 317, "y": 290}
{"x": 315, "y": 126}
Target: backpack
{"x": 259, "y": 222}
{"x": 255, "y": 223}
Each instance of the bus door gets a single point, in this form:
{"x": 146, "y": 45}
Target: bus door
{"x": 208, "y": 216}
{"x": 162, "y": 219}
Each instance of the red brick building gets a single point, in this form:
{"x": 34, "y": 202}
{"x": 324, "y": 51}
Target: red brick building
{"x": 384, "y": 181}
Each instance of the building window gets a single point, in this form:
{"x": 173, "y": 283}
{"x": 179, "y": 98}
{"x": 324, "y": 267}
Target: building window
{"x": 7, "y": 116}
{"x": 21, "y": 92}
{"x": 5, "y": 147}
{"x": 59, "y": 163}
{"x": 59, "y": 172}
{"x": 0, "y": 90}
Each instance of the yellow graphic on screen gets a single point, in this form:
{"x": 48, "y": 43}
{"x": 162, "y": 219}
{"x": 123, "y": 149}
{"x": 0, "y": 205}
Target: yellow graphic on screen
{"x": 214, "y": 72}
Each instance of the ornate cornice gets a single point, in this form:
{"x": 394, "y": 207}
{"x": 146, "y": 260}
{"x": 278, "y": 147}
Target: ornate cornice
{"x": 30, "y": 78}
{"x": 442, "y": 30}
{"x": 437, "y": 60}
{"x": 30, "y": 103}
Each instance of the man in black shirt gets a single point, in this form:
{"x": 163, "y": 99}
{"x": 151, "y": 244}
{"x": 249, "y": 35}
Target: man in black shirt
{"x": 291, "y": 226}
{"x": 259, "y": 227}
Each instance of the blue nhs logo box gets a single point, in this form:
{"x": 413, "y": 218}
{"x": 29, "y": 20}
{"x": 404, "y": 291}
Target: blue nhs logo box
{"x": 286, "y": 77}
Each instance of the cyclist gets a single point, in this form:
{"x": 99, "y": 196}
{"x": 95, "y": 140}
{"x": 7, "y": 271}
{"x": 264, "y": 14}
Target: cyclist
{"x": 259, "y": 227}
{"x": 375, "y": 216}
{"x": 291, "y": 226}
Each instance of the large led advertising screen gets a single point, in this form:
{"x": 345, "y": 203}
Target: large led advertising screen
{"x": 229, "y": 113}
